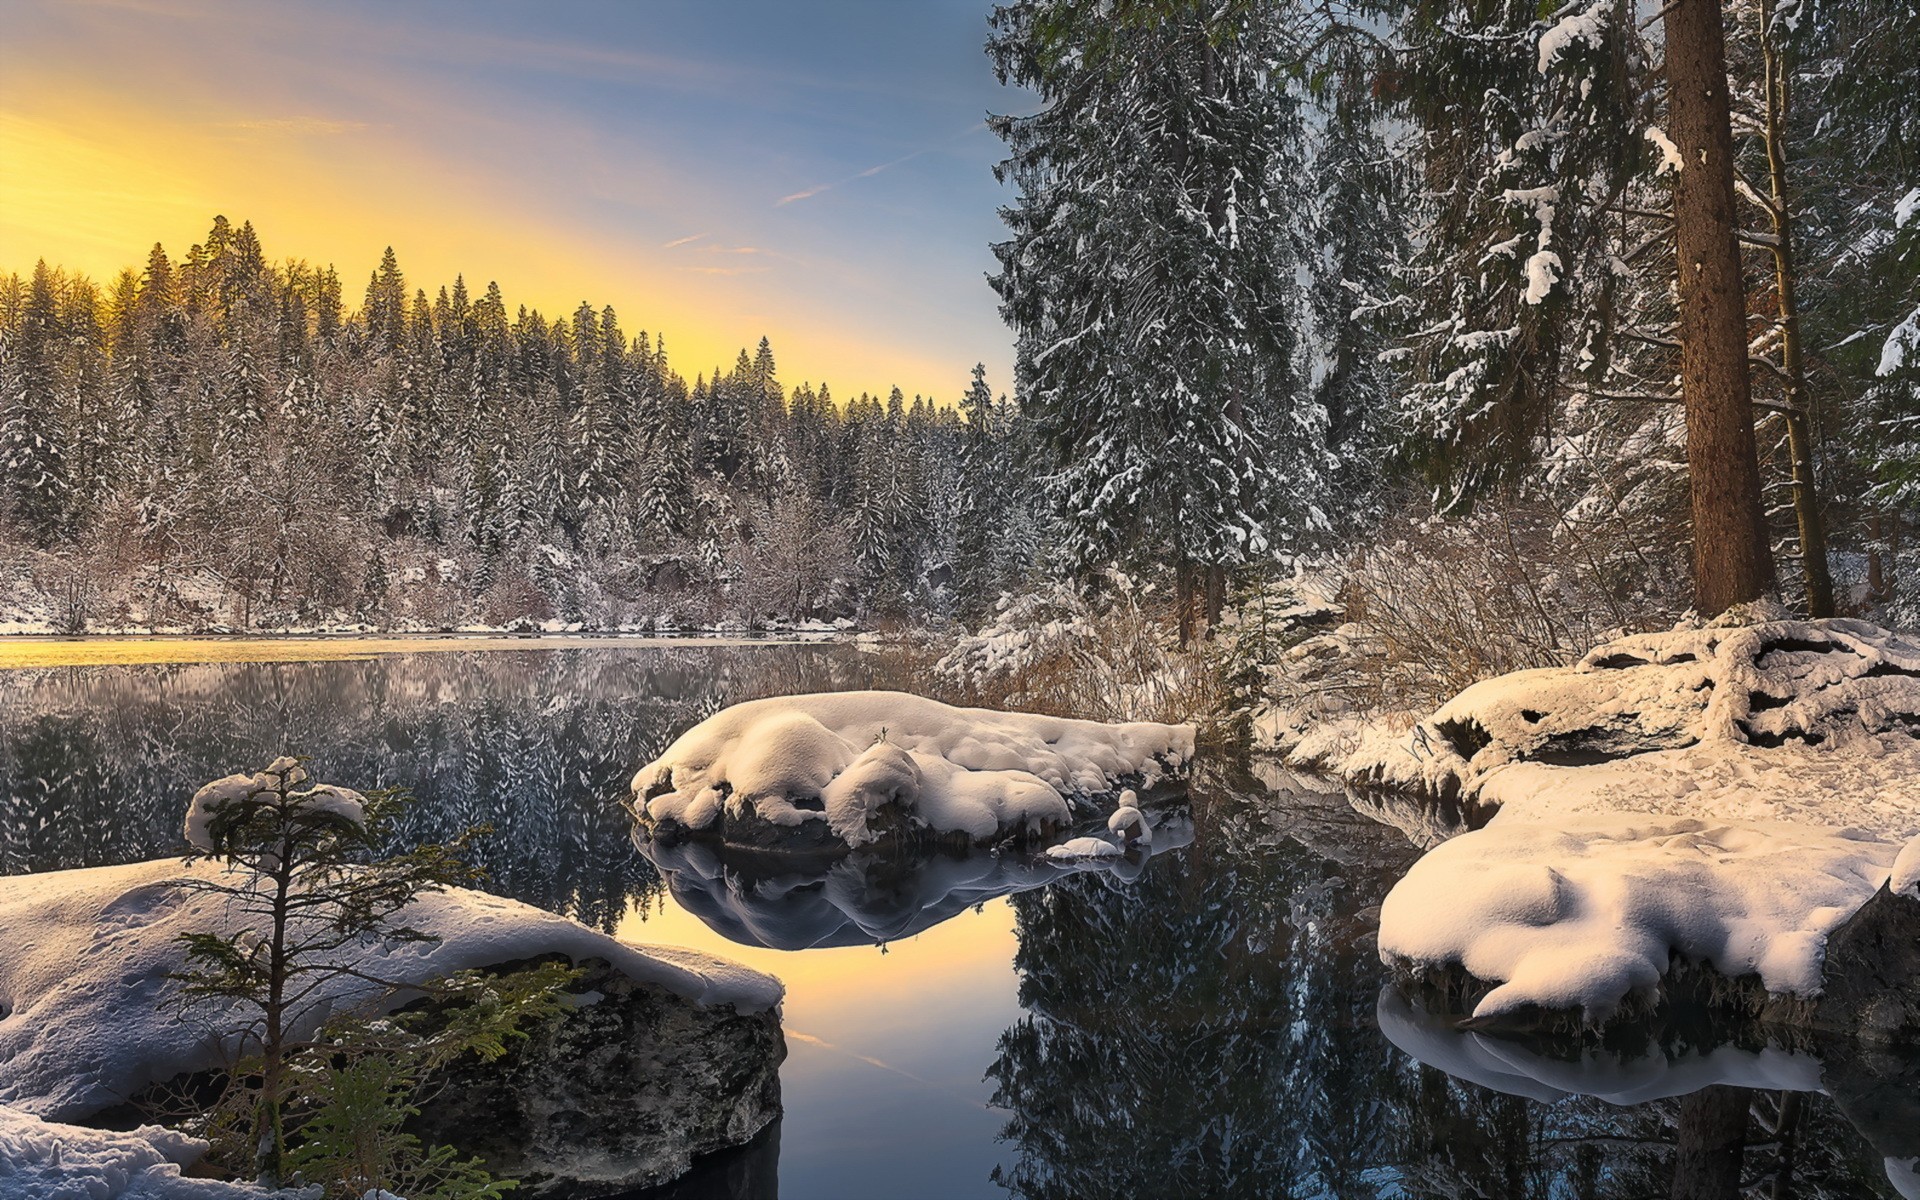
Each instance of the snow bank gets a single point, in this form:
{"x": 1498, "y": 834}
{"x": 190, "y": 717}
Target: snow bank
{"x": 843, "y": 757}
{"x": 1840, "y": 684}
{"x": 85, "y": 1013}
{"x": 1578, "y": 917}
{"x": 1729, "y": 795}
{"x": 46, "y": 1161}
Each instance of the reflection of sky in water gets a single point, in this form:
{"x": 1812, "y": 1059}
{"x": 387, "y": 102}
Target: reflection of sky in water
{"x": 884, "y": 1083}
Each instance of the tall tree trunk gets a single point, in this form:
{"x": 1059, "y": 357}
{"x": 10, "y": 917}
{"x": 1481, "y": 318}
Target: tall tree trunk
{"x": 1732, "y": 561}
{"x": 1711, "y": 1139}
{"x": 1806, "y": 500}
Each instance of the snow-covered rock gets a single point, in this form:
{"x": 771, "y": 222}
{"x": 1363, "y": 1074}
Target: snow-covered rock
{"x": 86, "y": 1018}
{"x": 1580, "y": 916}
{"x": 44, "y": 1160}
{"x": 1773, "y": 684}
{"x": 1730, "y": 796}
{"x": 847, "y": 767}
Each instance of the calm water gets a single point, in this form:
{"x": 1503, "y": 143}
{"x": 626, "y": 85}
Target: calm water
{"x": 1209, "y": 1023}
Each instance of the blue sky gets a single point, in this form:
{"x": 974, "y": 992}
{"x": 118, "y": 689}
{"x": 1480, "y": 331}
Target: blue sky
{"x": 816, "y": 171}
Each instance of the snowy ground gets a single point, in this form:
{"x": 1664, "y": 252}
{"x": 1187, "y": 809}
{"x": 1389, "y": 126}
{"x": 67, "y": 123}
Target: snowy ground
{"x": 845, "y": 759}
{"x": 44, "y": 1160}
{"x": 1728, "y": 794}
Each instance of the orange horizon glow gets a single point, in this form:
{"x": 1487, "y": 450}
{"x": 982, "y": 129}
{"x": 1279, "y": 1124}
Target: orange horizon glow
{"x": 97, "y": 166}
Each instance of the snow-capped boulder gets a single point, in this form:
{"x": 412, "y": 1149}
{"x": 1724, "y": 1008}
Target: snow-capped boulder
{"x": 846, "y": 769}
{"x": 1772, "y": 683}
{"x": 87, "y": 1003}
{"x": 1582, "y": 915}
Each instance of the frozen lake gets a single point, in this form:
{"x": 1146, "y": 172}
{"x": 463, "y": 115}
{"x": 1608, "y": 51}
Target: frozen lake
{"x": 1208, "y": 1023}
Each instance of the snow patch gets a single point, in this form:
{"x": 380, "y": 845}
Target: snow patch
{"x": 1588, "y": 28}
{"x": 48, "y": 1161}
{"x": 1670, "y": 159}
{"x": 843, "y": 757}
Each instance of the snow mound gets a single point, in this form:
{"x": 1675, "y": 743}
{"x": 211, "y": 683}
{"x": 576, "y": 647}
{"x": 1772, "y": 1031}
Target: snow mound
{"x": 47, "y": 1161}
{"x": 1578, "y": 917}
{"x": 86, "y": 1012}
{"x": 1775, "y": 683}
{"x": 283, "y": 772}
{"x": 842, "y": 758}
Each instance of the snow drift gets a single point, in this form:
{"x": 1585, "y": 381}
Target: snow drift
{"x": 1727, "y": 796}
{"x": 48, "y": 1161}
{"x": 1774, "y": 684}
{"x": 85, "y": 1018}
{"x": 857, "y": 765}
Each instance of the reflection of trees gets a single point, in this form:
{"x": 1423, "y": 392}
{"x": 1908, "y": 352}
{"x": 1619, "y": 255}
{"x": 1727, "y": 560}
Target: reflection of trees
{"x": 97, "y": 763}
{"x": 1195, "y": 1033}
{"x": 1209, "y": 1030}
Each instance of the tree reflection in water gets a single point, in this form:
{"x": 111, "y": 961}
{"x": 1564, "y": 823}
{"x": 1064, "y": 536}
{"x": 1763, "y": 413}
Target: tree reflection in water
{"x": 97, "y": 763}
{"x": 1210, "y": 1031}
{"x": 1206, "y": 1023}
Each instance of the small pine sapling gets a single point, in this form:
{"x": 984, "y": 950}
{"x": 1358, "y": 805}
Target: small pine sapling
{"x": 308, "y": 890}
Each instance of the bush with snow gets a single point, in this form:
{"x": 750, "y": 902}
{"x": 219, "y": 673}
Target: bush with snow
{"x": 854, "y": 764}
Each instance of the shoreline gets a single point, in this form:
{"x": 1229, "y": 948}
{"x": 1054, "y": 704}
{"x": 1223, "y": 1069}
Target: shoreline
{"x": 39, "y": 651}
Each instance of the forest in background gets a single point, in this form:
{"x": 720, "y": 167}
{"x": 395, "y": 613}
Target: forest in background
{"x": 223, "y": 441}
{"x": 1386, "y": 289}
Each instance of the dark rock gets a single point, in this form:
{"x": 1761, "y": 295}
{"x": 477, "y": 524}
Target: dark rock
{"x": 622, "y": 1094}
{"x": 1871, "y": 976}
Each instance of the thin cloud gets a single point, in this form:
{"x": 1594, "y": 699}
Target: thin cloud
{"x": 725, "y": 270}
{"x": 295, "y": 126}
{"x": 870, "y": 172}
{"x": 682, "y": 241}
{"x": 815, "y": 190}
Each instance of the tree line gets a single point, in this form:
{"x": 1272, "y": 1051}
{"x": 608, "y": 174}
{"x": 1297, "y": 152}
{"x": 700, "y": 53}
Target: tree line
{"x": 223, "y": 438}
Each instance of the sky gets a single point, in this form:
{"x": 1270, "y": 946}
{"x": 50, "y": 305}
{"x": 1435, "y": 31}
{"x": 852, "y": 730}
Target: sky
{"x": 814, "y": 171}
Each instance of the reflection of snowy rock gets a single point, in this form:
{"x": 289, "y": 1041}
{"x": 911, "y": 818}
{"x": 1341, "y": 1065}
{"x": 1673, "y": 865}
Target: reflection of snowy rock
{"x": 849, "y": 768}
{"x": 1879, "y": 1095}
{"x": 1521, "y": 1068}
{"x": 866, "y": 897}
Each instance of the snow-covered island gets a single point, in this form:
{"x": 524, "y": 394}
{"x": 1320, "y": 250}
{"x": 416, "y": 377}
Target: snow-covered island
{"x": 842, "y": 770}
{"x": 1740, "y": 798}
{"x": 91, "y": 1026}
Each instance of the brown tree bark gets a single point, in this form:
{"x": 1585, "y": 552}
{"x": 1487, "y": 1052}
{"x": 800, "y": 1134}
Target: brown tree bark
{"x": 1806, "y": 500}
{"x": 1732, "y": 561}
{"x": 1711, "y": 1140}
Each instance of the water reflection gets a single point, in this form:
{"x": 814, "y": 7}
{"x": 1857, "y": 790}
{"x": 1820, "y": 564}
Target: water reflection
{"x": 1205, "y": 1022}
{"x": 810, "y": 902}
{"x": 97, "y": 763}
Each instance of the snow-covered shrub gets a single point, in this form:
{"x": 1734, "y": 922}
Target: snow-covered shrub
{"x": 1108, "y": 655}
{"x": 1447, "y": 601}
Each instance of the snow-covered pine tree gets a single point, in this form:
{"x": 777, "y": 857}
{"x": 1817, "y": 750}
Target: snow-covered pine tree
{"x": 1150, "y": 277}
